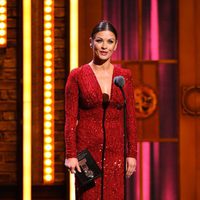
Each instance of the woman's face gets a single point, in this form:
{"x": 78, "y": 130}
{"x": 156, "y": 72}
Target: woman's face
{"x": 103, "y": 44}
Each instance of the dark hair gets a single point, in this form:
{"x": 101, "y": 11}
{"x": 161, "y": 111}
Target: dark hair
{"x": 103, "y": 26}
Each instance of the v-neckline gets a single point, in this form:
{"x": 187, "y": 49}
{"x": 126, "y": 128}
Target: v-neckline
{"x": 97, "y": 82}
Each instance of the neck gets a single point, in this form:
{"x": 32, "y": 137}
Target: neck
{"x": 106, "y": 65}
{"x": 98, "y": 61}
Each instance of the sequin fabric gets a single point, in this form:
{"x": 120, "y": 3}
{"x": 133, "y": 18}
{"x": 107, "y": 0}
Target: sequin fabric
{"x": 83, "y": 128}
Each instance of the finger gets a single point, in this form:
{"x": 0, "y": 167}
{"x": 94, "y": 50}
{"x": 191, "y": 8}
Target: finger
{"x": 73, "y": 171}
{"x": 78, "y": 168}
{"x": 68, "y": 169}
{"x": 129, "y": 169}
{"x": 128, "y": 174}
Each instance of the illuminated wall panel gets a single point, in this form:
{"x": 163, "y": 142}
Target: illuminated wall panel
{"x": 48, "y": 150}
{"x": 73, "y": 63}
{"x": 3, "y": 23}
{"x": 27, "y": 100}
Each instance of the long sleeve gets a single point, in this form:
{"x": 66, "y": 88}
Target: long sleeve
{"x": 71, "y": 114}
{"x": 131, "y": 118}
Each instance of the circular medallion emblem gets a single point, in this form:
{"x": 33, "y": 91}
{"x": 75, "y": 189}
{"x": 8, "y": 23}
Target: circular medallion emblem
{"x": 191, "y": 100}
{"x": 145, "y": 101}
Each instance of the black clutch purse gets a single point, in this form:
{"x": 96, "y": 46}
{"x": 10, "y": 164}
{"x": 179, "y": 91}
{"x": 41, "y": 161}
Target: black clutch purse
{"x": 89, "y": 169}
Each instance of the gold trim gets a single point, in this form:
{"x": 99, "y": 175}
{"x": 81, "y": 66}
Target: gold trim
{"x": 190, "y": 102}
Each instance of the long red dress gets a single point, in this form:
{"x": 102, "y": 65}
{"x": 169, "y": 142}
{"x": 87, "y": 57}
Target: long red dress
{"x": 83, "y": 128}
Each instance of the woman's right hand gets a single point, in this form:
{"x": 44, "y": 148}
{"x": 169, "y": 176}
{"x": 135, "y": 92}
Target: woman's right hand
{"x": 72, "y": 165}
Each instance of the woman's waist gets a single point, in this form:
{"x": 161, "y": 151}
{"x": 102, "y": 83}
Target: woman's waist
{"x": 100, "y": 115}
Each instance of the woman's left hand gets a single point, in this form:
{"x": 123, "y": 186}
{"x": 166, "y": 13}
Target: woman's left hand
{"x": 130, "y": 166}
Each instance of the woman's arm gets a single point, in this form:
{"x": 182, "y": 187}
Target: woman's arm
{"x": 130, "y": 118}
{"x": 131, "y": 127}
{"x": 71, "y": 114}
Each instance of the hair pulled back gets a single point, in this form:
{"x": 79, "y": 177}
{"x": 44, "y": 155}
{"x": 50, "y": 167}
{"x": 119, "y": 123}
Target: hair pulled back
{"x": 103, "y": 26}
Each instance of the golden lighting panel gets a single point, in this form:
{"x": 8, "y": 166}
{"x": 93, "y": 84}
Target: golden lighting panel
{"x": 74, "y": 4}
{"x": 27, "y": 100}
{"x": 3, "y": 23}
{"x": 48, "y": 149}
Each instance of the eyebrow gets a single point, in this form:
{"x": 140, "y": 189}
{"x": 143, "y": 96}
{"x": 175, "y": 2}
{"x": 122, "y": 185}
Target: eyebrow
{"x": 112, "y": 38}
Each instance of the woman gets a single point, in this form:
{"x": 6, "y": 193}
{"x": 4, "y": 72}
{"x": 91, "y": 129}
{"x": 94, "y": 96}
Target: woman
{"x": 97, "y": 126}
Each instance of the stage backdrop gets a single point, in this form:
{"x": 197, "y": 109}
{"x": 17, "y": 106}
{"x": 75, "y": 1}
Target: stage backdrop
{"x": 148, "y": 46}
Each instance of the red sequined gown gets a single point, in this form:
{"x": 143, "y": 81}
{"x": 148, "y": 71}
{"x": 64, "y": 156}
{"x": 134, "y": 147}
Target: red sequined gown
{"x": 83, "y": 127}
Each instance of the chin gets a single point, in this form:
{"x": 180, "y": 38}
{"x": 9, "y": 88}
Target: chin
{"x": 104, "y": 57}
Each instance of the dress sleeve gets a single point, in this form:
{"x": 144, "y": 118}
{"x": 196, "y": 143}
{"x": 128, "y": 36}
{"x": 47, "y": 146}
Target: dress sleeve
{"x": 71, "y": 114}
{"x": 131, "y": 118}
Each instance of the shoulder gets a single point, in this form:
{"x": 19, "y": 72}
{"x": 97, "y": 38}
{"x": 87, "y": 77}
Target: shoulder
{"x": 123, "y": 72}
{"x": 76, "y": 72}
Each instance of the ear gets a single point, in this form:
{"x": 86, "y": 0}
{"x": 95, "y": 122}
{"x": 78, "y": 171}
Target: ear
{"x": 91, "y": 42}
{"x": 116, "y": 45}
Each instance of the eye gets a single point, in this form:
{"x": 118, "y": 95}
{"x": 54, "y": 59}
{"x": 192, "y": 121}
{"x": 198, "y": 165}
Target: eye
{"x": 110, "y": 41}
{"x": 98, "y": 40}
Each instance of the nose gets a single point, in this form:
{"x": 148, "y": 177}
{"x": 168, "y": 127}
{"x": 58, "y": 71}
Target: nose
{"x": 104, "y": 46}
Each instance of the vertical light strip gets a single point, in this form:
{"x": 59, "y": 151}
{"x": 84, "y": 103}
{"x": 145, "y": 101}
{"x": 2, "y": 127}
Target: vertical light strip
{"x": 156, "y": 167}
{"x": 73, "y": 34}
{"x": 73, "y": 64}
{"x": 3, "y": 23}
{"x": 146, "y": 170}
{"x": 48, "y": 148}
{"x": 27, "y": 100}
{"x": 154, "y": 30}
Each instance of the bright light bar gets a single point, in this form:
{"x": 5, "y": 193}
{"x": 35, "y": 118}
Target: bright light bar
{"x": 48, "y": 148}
{"x": 73, "y": 34}
{"x": 3, "y": 23}
{"x": 27, "y": 100}
{"x": 73, "y": 64}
